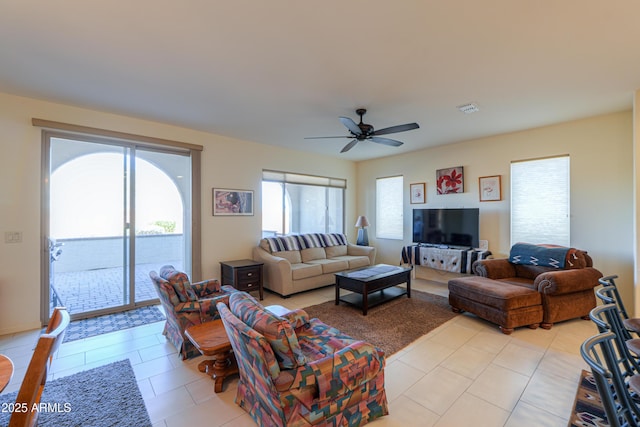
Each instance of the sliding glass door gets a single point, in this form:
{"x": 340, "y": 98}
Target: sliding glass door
{"x": 113, "y": 212}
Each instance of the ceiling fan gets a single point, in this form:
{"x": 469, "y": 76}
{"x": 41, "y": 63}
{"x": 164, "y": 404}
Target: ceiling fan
{"x": 365, "y": 132}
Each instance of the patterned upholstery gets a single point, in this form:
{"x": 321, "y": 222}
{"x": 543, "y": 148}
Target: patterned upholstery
{"x": 341, "y": 382}
{"x": 187, "y": 304}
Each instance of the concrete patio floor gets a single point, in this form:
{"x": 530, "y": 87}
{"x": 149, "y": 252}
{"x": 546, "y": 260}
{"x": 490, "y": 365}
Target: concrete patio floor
{"x": 84, "y": 291}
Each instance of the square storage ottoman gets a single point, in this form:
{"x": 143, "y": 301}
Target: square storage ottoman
{"x": 507, "y": 305}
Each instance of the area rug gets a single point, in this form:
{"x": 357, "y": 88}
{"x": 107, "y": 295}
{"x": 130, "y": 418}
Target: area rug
{"x": 86, "y": 328}
{"x": 587, "y": 407}
{"x": 107, "y": 396}
{"x": 390, "y": 326}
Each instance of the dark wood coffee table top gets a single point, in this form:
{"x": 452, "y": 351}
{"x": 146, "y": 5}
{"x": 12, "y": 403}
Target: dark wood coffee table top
{"x": 366, "y": 274}
{"x": 373, "y": 285}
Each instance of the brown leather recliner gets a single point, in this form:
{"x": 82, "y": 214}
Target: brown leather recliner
{"x": 567, "y": 292}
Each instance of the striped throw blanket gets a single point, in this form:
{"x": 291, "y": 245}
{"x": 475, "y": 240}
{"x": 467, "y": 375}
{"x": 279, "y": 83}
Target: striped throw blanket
{"x": 298, "y": 242}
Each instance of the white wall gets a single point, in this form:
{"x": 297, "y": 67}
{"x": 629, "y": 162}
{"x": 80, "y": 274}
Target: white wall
{"x": 602, "y": 191}
{"x": 226, "y": 163}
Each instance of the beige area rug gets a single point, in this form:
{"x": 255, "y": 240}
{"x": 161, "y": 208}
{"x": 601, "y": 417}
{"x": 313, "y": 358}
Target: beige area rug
{"x": 390, "y": 326}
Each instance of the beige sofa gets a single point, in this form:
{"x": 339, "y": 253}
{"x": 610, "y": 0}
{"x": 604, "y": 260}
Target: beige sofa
{"x": 307, "y": 261}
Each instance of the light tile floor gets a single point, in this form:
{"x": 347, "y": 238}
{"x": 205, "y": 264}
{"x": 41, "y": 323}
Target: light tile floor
{"x": 466, "y": 372}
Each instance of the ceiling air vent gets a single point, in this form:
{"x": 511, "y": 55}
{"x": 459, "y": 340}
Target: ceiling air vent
{"x": 468, "y": 108}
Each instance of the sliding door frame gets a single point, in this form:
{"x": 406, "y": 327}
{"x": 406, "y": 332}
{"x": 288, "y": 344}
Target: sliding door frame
{"x": 87, "y": 134}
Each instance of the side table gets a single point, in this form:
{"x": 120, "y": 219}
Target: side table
{"x": 244, "y": 275}
{"x": 210, "y": 338}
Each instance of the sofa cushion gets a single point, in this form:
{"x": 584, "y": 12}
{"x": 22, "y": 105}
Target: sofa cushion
{"x": 357, "y": 261}
{"x": 180, "y": 283}
{"x": 331, "y": 265}
{"x": 302, "y": 270}
{"x": 277, "y": 331}
{"x": 336, "y": 251}
{"x": 530, "y": 272}
{"x": 292, "y": 256}
{"x": 493, "y": 293}
{"x": 318, "y": 340}
{"x": 313, "y": 253}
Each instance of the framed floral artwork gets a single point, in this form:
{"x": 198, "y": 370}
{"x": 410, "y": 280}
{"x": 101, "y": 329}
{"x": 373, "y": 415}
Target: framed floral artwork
{"x": 450, "y": 181}
{"x": 417, "y": 192}
{"x": 490, "y": 188}
{"x": 232, "y": 202}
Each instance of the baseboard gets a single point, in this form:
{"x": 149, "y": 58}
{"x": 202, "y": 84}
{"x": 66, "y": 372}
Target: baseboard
{"x": 434, "y": 275}
{"x": 25, "y": 327}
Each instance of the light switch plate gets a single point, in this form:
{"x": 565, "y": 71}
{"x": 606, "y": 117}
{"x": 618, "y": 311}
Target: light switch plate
{"x": 13, "y": 237}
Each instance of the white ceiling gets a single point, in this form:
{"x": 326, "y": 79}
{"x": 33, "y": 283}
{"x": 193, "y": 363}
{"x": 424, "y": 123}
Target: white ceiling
{"x": 277, "y": 71}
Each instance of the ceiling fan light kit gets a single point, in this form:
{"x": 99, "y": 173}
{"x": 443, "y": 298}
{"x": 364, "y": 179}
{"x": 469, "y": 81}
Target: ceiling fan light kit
{"x": 365, "y": 132}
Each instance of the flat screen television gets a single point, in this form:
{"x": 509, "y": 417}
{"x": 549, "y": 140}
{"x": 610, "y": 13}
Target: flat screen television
{"x": 447, "y": 227}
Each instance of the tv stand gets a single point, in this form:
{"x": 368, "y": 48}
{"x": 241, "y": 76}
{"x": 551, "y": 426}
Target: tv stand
{"x": 452, "y": 259}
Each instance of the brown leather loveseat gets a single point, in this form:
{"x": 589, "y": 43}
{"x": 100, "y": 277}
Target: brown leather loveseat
{"x": 536, "y": 285}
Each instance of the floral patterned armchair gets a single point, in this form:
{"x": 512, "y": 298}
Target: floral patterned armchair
{"x": 296, "y": 371}
{"x": 187, "y": 304}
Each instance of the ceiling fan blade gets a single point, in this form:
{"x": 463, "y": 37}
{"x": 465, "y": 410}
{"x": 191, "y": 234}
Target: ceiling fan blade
{"x": 351, "y": 125}
{"x": 395, "y": 129}
{"x": 324, "y": 137}
{"x": 386, "y": 141}
{"x": 349, "y": 146}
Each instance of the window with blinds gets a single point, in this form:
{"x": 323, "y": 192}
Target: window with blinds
{"x": 540, "y": 200}
{"x": 389, "y": 208}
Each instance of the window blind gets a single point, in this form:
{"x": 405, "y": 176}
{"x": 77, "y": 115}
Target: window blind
{"x": 540, "y": 201}
{"x": 389, "y": 208}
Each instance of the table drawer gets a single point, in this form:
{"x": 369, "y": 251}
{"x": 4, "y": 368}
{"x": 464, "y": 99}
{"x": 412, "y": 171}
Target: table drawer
{"x": 248, "y": 275}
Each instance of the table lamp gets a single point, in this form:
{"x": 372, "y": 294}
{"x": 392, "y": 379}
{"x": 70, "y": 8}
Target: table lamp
{"x": 363, "y": 238}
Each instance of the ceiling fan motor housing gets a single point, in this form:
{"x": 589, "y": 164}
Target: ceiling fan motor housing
{"x": 366, "y": 129}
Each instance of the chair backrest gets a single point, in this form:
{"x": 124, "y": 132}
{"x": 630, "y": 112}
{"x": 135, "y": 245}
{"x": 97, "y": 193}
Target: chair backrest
{"x": 257, "y": 364}
{"x": 609, "y": 283}
{"x": 610, "y": 295}
{"x": 165, "y": 291}
{"x": 608, "y": 319}
{"x": 600, "y": 354}
{"x": 36, "y": 376}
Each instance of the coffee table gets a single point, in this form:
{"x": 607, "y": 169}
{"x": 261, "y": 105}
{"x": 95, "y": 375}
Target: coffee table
{"x": 210, "y": 338}
{"x": 371, "y": 286}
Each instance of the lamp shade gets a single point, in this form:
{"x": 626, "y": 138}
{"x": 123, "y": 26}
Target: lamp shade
{"x": 362, "y": 221}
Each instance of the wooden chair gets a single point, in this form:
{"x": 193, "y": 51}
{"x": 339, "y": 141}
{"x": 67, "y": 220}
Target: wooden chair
{"x": 36, "y": 376}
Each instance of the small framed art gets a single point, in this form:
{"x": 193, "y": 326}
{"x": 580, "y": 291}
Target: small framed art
{"x": 490, "y": 188}
{"x": 232, "y": 202}
{"x": 450, "y": 180}
{"x": 417, "y": 191}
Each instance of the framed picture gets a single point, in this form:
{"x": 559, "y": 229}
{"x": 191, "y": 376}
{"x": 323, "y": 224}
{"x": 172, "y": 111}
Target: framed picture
{"x": 490, "y": 188}
{"x": 232, "y": 202}
{"x": 450, "y": 181}
{"x": 417, "y": 192}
